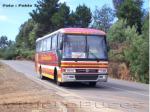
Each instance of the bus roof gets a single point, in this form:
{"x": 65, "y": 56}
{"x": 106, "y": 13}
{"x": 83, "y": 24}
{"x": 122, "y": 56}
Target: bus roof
{"x": 85, "y": 31}
{"x": 82, "y": 31}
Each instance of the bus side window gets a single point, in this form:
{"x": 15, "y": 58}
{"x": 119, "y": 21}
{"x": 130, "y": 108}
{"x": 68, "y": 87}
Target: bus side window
{"x": 37, "y": 46}
{"x": 48, "y": 43}
{"x": 54, "y": 42}
{"x": 41, "y": 44}
{"x": 60, "y": 45}
{"x": 44, "y": 45}
{"x": 38, "y": 50}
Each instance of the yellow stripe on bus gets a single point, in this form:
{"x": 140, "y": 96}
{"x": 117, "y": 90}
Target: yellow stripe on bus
{"x": 51, "y": 76}
{"x": 48, "y": 75}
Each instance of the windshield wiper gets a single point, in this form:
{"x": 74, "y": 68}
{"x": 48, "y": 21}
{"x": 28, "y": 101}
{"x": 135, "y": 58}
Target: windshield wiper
{"x": 93, "y": 55}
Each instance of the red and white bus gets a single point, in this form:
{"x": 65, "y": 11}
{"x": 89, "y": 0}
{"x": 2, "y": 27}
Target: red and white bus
{"x": 73, "y": 55}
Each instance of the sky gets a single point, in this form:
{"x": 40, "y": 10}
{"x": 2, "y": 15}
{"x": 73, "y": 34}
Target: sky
{"x": 11, "y": 17}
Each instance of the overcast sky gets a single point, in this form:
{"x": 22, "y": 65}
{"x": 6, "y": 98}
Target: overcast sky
{"x": 12, "y": 17}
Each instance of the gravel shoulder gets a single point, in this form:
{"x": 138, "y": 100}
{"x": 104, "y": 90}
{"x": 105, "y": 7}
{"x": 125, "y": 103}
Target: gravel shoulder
{"x": 20, "y": 94}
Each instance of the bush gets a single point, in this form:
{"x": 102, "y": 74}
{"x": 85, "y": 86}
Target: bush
{"x": 131, "y": 48}
{"x": 26, "y": 54}
{"x": 1, "y": 53}
{"x": 117, "y": 32}
{"x": 10, "y": 53}
{"x": 14, "y": 53}
{"x": 137, "y": 55}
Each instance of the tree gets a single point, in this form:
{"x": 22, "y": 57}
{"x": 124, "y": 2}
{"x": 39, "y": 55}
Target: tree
{"x": 103, "y": 18}
{"x": 4, "y": 45}
{"x": 117, "y": 32}
{"x": 44, "y": 11}
{"x": 50, "y": 15}
{"x": 22, "y": 39}
{"x": 131, "y": 10}
{"x": 117, "y": 3}
{"x": 72, "y": 19}
{"x": 32, "y": 36}
{"x": 3, "y": 42}
{"x": 145, "y": 27}
{"x": 83, "y": 16}
{"x": 137, "y": 54}
{"x": 10, "y": 43}
{"x": 144, "y": 51}
{"x": 43, "y": 14}
{"x": 60, "y": 18}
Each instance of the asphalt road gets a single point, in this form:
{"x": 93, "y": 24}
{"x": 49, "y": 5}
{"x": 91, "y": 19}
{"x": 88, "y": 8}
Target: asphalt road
{"x": 118, "y": 94}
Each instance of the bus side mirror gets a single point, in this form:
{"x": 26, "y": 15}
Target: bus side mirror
{"x": 108, "y": 48}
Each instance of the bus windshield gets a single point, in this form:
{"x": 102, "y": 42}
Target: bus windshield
{"x": 85, "y": 47}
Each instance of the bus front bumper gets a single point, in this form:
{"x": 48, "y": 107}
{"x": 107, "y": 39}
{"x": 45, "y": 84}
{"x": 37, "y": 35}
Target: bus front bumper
{"x": 84, "y": 77}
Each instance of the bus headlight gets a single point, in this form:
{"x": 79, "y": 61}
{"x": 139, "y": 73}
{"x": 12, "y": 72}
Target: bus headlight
{"x": 69, "y": 70}
{"x": 102, "y": 70}
{"x": 67, "y": 78}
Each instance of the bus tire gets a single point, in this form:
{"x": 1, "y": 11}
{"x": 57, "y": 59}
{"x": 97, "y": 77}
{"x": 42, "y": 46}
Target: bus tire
{"x": 56, "y": 78}
{"x": 40, "y": 71}
{"x": 92, "y": 84}
{"x": 59, "y": 83}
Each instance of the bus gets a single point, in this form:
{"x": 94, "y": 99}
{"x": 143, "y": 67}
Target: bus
{"x": 73, "y": 55}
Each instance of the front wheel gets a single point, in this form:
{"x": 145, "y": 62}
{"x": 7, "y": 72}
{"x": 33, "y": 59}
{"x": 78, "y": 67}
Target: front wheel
{"x": 56, "y": 78}
{"x": 59, "y": 83}
{"x": 40, "y": 72}
{"x": 92, "y": 84}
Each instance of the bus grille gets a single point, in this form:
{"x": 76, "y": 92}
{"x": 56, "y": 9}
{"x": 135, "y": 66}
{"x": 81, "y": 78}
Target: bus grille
{"x": 86, "y": 77}
{"x": 87, "y": 70}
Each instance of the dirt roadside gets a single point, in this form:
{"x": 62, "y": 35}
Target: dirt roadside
{"x": 20, "y": 94}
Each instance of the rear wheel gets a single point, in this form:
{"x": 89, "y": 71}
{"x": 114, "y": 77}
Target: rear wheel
{"x": 41, "y": 76}
{"x": 92, "y": 84}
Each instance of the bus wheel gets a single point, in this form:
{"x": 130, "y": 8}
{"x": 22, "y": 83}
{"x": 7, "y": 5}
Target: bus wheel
{"x": 41, "y": 76}
{"x": 56, "y": 78}
{"x": 59, "y": 83}
{"x": 92, "y": 84}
